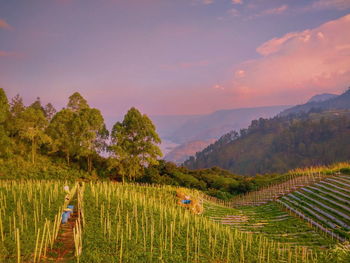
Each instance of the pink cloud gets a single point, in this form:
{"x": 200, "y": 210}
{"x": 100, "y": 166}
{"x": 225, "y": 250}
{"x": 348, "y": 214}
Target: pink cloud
{"x": 275, "y": 44}
{"x": 5, "y": 25}
{"x": 275, "y": 11}
{"x": 218, "y": 86}
{"x": 298, "y": 64}
{"x": 272, "y": 11}
{"x": 240, "y": 73}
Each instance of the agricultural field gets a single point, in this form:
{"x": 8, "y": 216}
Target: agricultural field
{"x": 130, "y": 223}
{"x": 30, "y": 214}
{"x": 325, "y": 204}
{"x": 118, "y": 222}
{"x": 272, "y": 222}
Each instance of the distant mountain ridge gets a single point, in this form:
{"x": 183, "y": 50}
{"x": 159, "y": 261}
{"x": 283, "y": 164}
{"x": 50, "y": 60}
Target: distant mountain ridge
{"x": 333, "y": 102}
{"x": 322, "y": 97}
{"x": 184, "y": 135}
{"x": 310, "y": 134}
{"x": 214, "y": 125}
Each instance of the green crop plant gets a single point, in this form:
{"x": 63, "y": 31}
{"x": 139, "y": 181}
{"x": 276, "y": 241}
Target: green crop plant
{"x": 133, "y": 223}
{"x": 30, "y": 216}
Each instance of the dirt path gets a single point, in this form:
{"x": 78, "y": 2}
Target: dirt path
{"x": 64, "y": 248}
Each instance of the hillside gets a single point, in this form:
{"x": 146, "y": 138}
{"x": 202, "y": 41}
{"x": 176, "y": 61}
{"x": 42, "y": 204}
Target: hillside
{"x": 214, "y": 125}
{"x": 179, "y": 133}
{"x": 322, "y": 103}
{"x": 325, "y": 204}
{"x": 279, "y": 144}
{"x": 139, "y": 223}
{"x": 322, "y": 97}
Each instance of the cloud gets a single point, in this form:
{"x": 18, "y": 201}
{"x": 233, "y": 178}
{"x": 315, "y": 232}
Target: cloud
{"x": 237, "y": 2}
{"x": 272, "y": 11}
{"x": 275, "y": 11}
{"x": 5, "y": 25}
{"x": 218, "y": 87}
{"x": 208, "y": 2}
{"x": 331, "y": 4}
{"x": 275, "y": 44}
{"x": 298, "y": 64}
{"x": 240, "y": 73}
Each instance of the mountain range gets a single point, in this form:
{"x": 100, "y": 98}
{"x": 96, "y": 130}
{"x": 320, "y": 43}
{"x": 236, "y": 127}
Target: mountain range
{"x": 314, "y": 133}
{"x": 320, "y": 103}
{"x": 184, "y": 135}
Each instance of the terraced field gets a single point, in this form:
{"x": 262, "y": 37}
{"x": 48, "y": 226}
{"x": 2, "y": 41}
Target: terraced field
{"x": 275, "y": 191}
{"x": 270, "y": 221}
{"x": 325, "y": 205}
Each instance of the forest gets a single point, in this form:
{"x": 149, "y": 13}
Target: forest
{"x": 276, "y": 145}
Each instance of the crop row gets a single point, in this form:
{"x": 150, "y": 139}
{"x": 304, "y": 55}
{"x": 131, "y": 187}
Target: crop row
{"x": 30, "y": 214}
{"x": 326, "y": 204}
{"x": 273, "y": 192}
{"x": 129, "y": 223}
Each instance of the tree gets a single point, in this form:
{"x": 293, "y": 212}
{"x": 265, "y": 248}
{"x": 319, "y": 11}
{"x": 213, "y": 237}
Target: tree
{"x": 78, "y": 130}
{"x": 92, "y": 133}
{"x": 49, "y": 111}
{"x": 16, "y": 105}
{"x": 5, "y": 142}
{"x": 61, "y": 131}
{"x": 31, "y": 125}
{"x": 134, "y": 144}
{"x": 77, "y": 103}
{"x": 4, "y": 106}
{"x": 37, "y": 105}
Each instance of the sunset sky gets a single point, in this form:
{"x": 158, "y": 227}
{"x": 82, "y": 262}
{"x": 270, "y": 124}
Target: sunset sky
{"x": 174, "y": 56}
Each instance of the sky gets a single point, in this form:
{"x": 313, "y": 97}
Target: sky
{"x": 170, "y": 57}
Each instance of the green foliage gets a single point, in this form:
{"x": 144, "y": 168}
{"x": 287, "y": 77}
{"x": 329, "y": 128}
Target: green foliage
{"x": 77, "y": 103}
{"x": 4, "y": 107}
{"x": 134, "y": 144}
{"x": 16, "y": 105}
{"x": 31, "y": 124}
{"x": 78, "y": 131}
{"x": 62, "y": 131}
{"x": 44, "y": 168}
{"x": 345, "y": 171}
{"x": 280, "y": 144}
{"x": 5, "y": 142}
{"x": 49, "y": 111}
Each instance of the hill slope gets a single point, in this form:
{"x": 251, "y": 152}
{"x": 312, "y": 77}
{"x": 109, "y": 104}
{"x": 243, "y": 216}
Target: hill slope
{"x": 183, "y": 136}
{"x": 325, "y": 204}
{"x": 311, "y": 134}
{"x": 216, "y": 124}
{"x": 322, "y": 103}
{"x": 281, "y": 144}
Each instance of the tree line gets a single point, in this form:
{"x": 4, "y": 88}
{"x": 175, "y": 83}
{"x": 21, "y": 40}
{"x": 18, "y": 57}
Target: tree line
{"x": 78, "y": 134}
